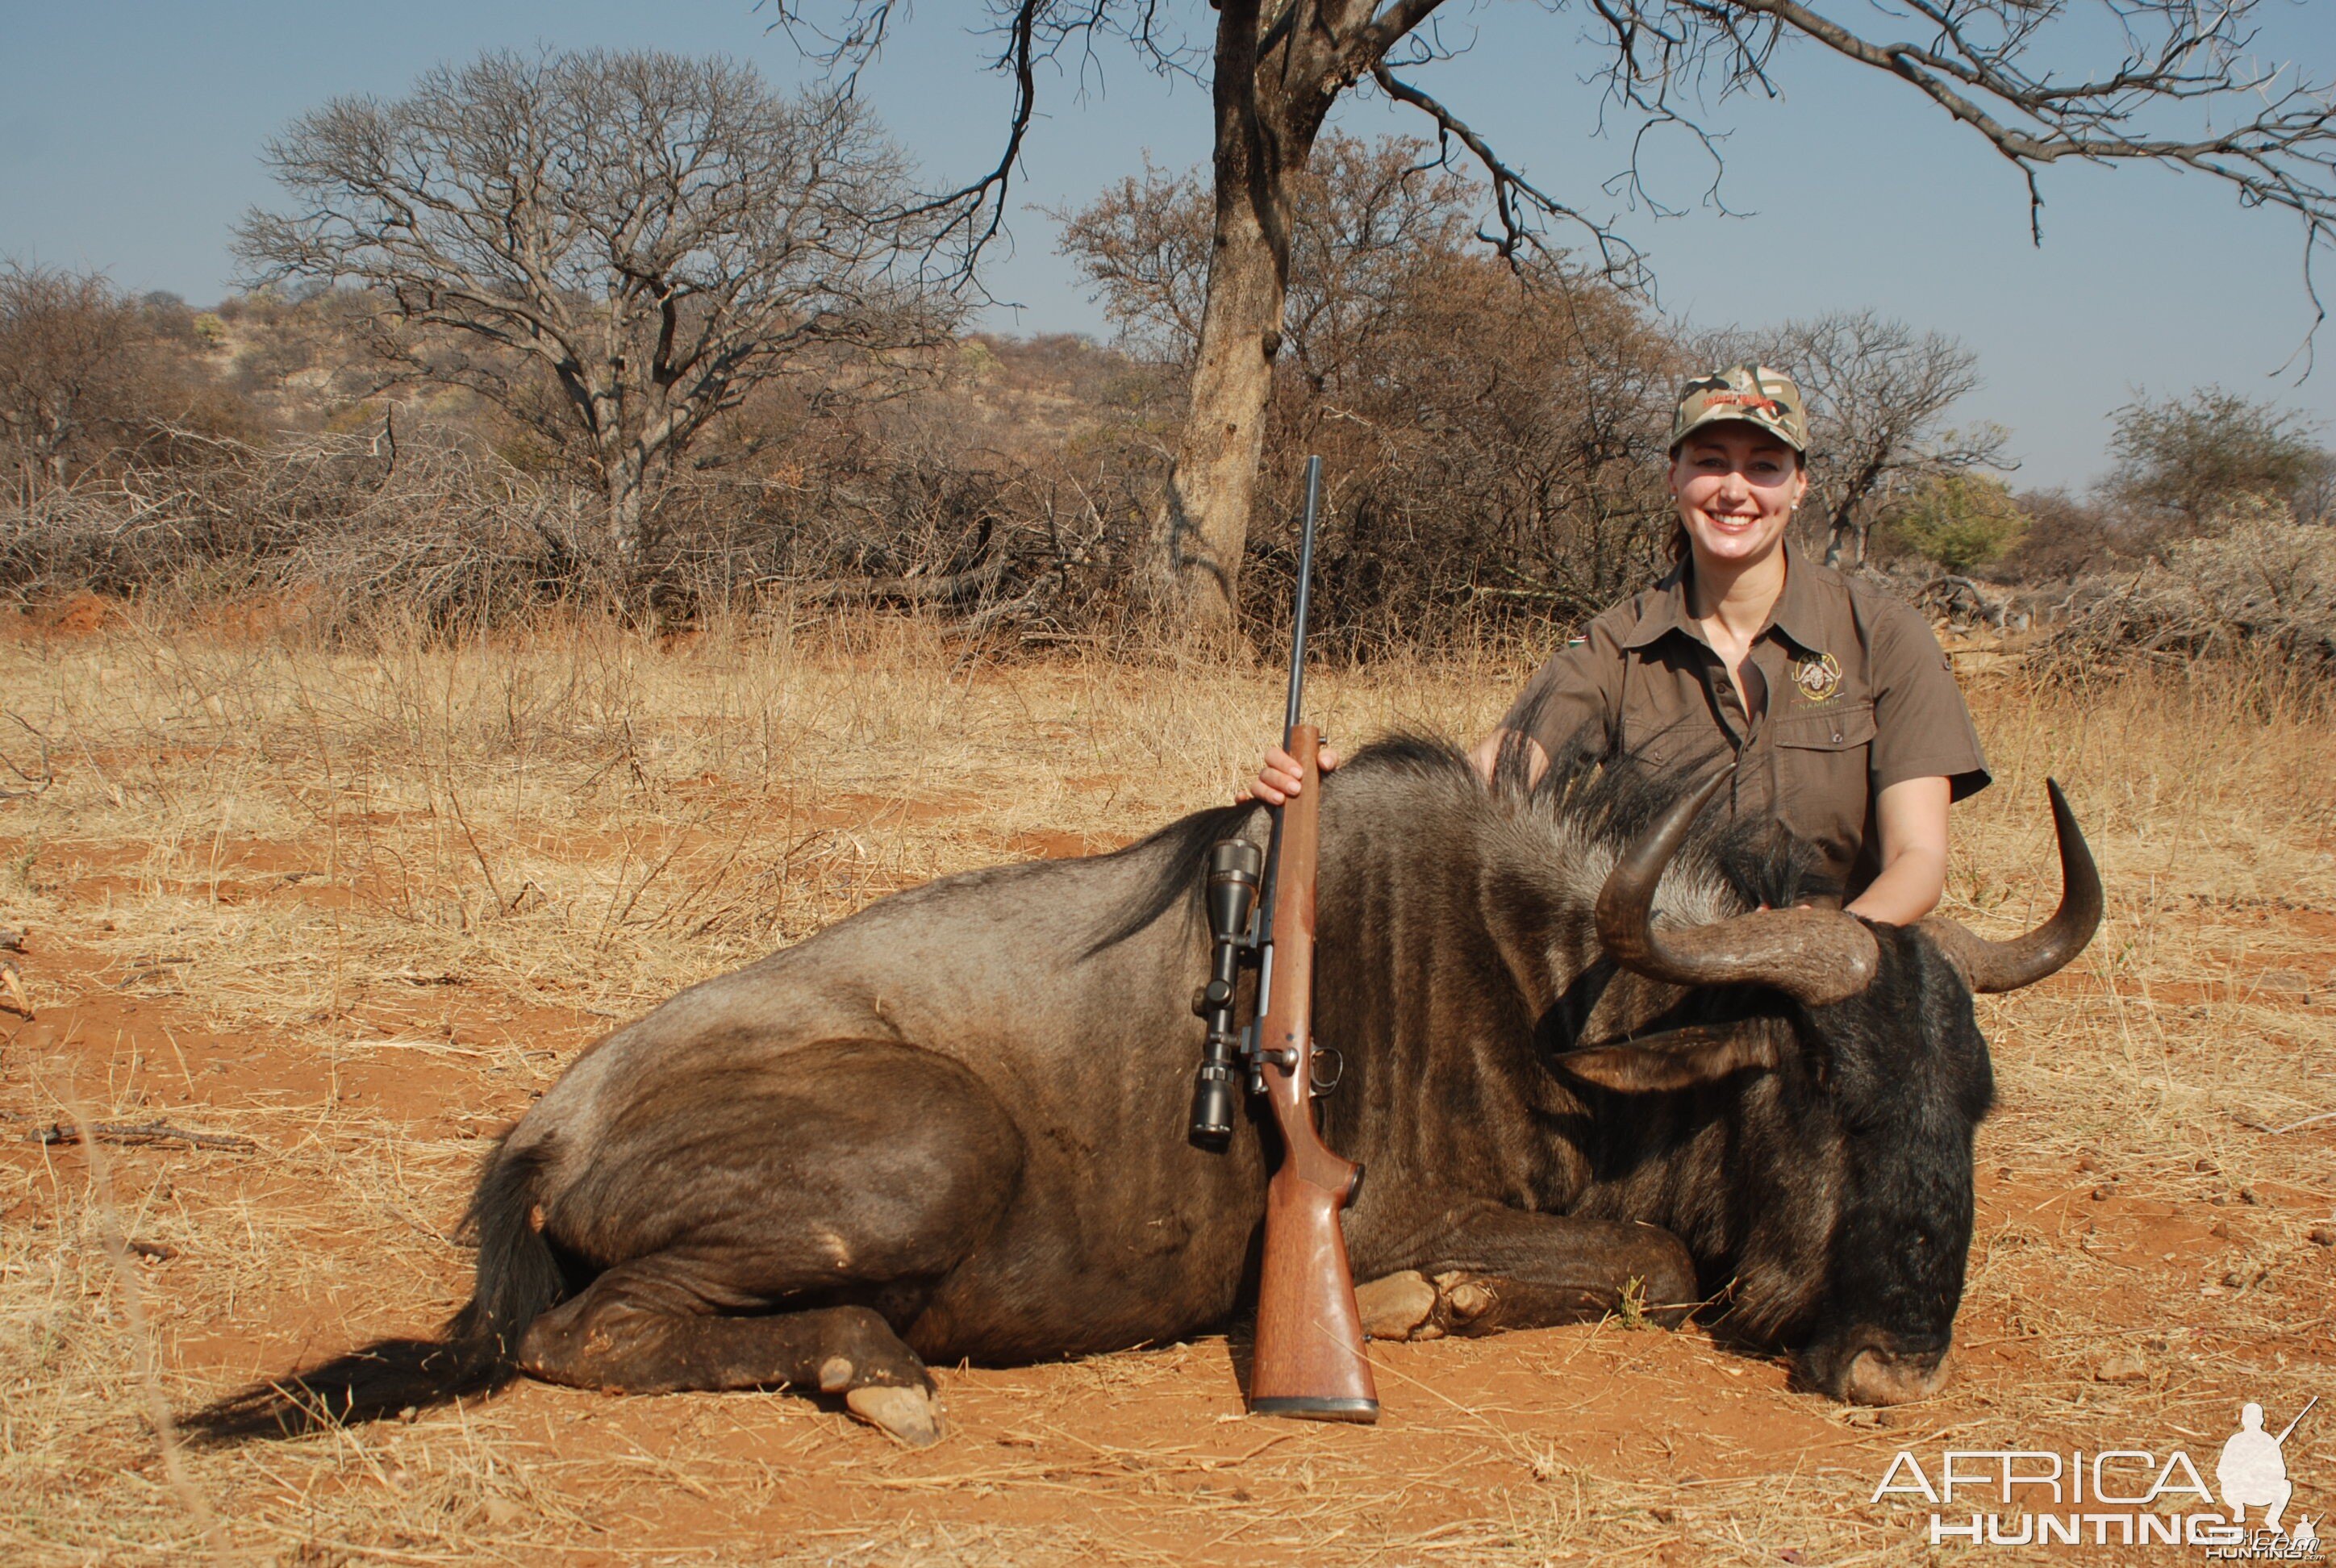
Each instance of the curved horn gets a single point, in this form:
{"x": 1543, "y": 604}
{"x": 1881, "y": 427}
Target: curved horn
{"x": 1819, "y": 956}
{"x": 1988, "y": 966}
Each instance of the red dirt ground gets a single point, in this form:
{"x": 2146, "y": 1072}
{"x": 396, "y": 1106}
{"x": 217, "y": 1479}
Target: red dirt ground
{"x": 1146, "y": 1453}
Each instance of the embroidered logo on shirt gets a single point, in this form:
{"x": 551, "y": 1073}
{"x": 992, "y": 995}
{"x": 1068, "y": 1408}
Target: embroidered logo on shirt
{"x": 1818, "y": 675}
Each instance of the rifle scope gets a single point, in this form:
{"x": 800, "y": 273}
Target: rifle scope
{"x": 1234, "y": 867}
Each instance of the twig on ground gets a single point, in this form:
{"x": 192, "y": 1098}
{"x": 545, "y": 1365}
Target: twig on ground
{"x": 134, "y": 1134}
{"x": 2251, "y": 1124}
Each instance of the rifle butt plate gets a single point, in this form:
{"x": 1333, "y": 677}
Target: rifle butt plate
{"x": 1297, "y": 1407}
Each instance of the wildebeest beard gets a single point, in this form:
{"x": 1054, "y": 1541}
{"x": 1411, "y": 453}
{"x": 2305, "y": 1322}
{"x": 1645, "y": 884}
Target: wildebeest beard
{"x": 952, "y": 1126}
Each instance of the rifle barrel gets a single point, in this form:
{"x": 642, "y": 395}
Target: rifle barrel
{"x": 1305, "y": 595}
{"x": 2282, "y": 1439}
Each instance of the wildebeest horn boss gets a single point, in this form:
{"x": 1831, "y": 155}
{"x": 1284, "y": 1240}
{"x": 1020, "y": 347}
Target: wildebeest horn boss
{"x": 1578, "y": 1066}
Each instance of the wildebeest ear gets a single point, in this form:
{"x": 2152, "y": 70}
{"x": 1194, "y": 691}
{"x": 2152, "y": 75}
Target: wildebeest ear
{"x": 1674, "y": 1060}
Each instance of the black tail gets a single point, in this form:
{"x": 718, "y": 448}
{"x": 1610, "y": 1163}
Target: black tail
{"x": 519, "y": 1279}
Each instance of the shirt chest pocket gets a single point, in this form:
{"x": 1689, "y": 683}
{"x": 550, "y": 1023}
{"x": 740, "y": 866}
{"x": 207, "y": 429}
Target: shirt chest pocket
{"x": 1845, "y": 727}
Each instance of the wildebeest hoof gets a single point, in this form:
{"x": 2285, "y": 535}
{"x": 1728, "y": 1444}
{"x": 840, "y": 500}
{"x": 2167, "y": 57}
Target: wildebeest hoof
{"x": 1465, "y": 1299}
{"x": 1874, "y": 1380}
{"x": 909, "y": 1417}
{"x": 835, "y": 1374}
{"x": 1393, "y": 1307}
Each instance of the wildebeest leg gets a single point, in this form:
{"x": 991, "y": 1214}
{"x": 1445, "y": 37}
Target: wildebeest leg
{"x": 770, "y": 1223}
{"x": 647, "y": 1328}
{"x": 1508, "y": 1269}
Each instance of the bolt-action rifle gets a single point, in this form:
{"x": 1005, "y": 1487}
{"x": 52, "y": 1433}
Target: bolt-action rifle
{"x": 1309, "y": 1362}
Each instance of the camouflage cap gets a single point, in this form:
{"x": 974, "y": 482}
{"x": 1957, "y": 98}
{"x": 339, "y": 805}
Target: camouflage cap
{"x": 1753, "y": 392}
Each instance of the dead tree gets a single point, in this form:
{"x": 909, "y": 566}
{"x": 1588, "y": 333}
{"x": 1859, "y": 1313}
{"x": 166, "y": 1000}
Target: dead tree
{"x": 2000, "y": 67}
{"x": 650, "y": 236}
{"x": 70, "y": 351}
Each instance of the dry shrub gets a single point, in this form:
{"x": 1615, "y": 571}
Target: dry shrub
{"x": 2263, "y": 589}
{"x": 1001, "y": 492}
{"x": 345, "y": 523}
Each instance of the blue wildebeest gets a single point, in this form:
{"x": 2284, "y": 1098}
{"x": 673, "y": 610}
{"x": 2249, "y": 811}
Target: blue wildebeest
{"x": 953, "y": 1126}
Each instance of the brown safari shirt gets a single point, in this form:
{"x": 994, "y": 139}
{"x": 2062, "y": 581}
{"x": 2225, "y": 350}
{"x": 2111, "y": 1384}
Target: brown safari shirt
{"x": 1849, "y": 692}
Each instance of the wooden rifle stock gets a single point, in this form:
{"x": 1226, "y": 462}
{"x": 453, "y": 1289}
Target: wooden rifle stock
{"x": 1309, "y": 1362}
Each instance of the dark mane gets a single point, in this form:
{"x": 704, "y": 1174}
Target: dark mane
{"x": 1614, "y": 800}
{"x": 1607, "y": 799}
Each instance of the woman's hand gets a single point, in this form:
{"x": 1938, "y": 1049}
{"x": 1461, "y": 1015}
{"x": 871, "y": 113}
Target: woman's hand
{"x": 1280, "y": 776}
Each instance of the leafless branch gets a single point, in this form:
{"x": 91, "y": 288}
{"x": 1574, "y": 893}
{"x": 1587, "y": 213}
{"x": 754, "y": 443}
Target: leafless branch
{"x": 1033, "y": 34}
{"x": 1515, "y": 199}
{"x": 2280, "y": 151}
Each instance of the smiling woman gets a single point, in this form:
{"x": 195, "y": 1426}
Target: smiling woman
{"x": 1829, "y": 699}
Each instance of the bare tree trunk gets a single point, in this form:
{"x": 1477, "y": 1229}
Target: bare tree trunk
{"x": 1842, "y": 530}
{"x": 1202, "y": 525}
{"x": 628, "y": 496}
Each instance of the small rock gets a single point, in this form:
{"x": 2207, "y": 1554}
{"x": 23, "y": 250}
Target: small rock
{"x": 2220, "y": 1227}
{"x": 410, "y": 1414}
{"x": 2322, "y": 1235}
{"x": 2088, "y": 1161}
{"x": 2205, "y": 1166}
{"x": 2100, "y": 1194}
{"x": 1790, "y": 1555}
{"x": 2233, "y": 1280}
{"x": 2248, "y": 1195}
{"x": 2125, "y": 1367}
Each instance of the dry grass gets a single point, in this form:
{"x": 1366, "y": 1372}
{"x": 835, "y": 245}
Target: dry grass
{"x": 359, "y": 905}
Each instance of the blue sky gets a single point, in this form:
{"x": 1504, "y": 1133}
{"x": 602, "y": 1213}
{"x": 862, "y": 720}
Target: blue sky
{"x": 130, "y": 131}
